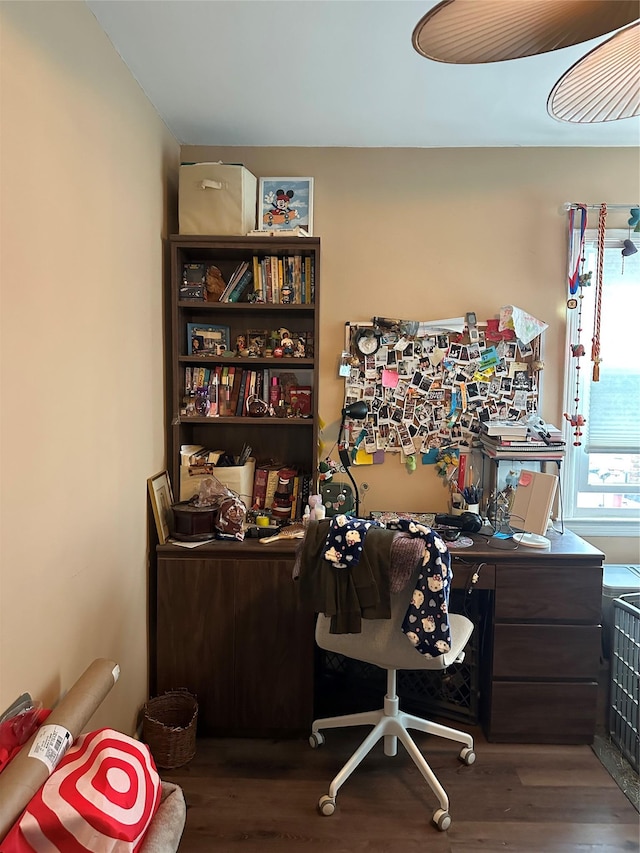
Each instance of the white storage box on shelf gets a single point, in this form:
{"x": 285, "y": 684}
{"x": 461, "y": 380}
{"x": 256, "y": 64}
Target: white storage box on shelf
{"x": 617, "y": 579}
{"x": 216, "y": 199}
{"x": 238, "y": 478}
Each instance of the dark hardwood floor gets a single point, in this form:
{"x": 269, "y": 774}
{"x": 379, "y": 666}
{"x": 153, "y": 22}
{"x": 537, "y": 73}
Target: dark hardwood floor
{"x": 260, "y": 794}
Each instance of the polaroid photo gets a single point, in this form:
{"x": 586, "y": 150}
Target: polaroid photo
{"x": 400, "y": 391}
{"x": 525, "y": 350}
{"x": 473, "y": 390}
{"x": 510, "y": 350}
{"x": 521, "y": 381}
{"x": 405, "y": 439}
{"x": 409, "y": 409}
{"x": 474, "y": 352}
{"x": 396, "y": 415}
{"x": 506, "y": 385}
{"x": 520, "y": 401}
{"x": 455, "y": 351}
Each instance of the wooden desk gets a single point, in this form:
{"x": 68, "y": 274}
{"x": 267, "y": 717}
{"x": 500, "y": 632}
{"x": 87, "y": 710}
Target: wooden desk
{"x": 230, "y": 628}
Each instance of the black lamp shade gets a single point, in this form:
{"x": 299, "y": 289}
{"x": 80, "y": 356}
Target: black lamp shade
{"x": 357, "y": 411}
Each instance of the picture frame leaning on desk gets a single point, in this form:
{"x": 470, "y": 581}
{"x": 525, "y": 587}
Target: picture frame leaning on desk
{"x": 161, "y": 496}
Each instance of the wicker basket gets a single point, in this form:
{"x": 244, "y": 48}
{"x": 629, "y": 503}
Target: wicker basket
{"x": 169, "y": 726}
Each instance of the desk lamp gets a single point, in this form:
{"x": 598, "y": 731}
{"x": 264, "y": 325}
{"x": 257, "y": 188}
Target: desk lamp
{"x": 357, "y": 411}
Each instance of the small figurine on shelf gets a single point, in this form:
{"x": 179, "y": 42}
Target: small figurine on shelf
{"x": 241, "y": 345}
{"x": 314, "y": 510}
{"x": 286, "y": 343}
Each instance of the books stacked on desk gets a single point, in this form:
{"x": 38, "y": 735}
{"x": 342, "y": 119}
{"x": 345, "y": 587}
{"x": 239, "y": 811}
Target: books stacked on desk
{"x": 518, "y": 441}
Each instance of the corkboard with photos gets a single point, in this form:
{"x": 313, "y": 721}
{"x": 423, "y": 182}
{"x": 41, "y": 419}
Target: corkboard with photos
{"x": 432, "y": 389}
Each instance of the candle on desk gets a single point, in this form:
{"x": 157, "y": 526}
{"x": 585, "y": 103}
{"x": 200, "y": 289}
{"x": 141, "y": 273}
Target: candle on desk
{"x": 262, "y": 520}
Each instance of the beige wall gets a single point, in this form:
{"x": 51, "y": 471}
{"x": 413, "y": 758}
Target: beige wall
{"x": 86, "y": 167}
{"x": 427, "y": 233}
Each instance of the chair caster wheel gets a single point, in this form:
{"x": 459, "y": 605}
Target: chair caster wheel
{"x": 327, "y": 805}
{"x": 467, "y": 755}
{"x": 316, "y": 739}
{"x": 442, "y": 820}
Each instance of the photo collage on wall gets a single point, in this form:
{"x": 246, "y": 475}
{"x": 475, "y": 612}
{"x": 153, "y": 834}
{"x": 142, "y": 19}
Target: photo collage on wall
{"x": 432, "y": 388}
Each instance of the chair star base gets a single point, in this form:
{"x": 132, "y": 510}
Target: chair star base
{"x": 392, "y": 724}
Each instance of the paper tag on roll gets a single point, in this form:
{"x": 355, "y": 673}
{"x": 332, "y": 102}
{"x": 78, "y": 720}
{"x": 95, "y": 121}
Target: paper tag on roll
{"x": 50, "y": 745}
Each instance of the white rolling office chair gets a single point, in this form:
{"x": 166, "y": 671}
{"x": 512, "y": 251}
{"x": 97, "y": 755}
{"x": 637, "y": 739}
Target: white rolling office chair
{"x": 383, "y": 643}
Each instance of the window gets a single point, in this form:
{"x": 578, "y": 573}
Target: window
{"x": 601, "y": 477}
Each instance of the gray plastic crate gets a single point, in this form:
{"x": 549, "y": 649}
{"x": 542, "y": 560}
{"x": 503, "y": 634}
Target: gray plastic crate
{"x": 624, "y": 724}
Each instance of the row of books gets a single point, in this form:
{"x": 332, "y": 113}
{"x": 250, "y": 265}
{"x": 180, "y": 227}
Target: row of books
{"x": 282, "y": 490}
{"x": 238, "y": 283}
{"x": 496, "y": 447}
{"x": 224, "y": 391}
{"x": 284, "y": 280}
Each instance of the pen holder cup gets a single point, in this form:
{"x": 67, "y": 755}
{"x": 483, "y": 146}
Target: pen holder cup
{"x": 473, "y": 508}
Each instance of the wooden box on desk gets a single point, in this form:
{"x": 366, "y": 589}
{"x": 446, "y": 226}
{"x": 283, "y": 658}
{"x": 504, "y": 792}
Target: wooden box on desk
{"x": 238, "y": 478}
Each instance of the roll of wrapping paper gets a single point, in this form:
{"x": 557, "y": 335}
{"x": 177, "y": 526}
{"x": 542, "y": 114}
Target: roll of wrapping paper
{"x": 24, "y": 775}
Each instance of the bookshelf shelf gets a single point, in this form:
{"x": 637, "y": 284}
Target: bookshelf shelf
{"x": 249, "y": 307}
{"x": 258, "y": 422}
{"x": 291, "y": 441}
{"x": 271, "y": 363}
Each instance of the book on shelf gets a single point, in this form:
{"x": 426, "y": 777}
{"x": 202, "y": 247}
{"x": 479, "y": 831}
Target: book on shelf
{"x": 507, "y": 429}
{"x": 272, "y": 485}
{"x": 295, "y": 497}
{"x": 300, "y": 400}
{"x": 236, "y": 275}
{"x": 497, "y": 443}
{"x": 242, "y": 286}
{"x": 187, "y": 451}
{"x": 540, "y": 453}
{"x": 239, "y": 410}
{"x": 260, "y": 481}
{"x": 527, "y": 444}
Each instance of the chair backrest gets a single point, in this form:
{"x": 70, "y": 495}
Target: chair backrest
{"x": 382, "y": 641}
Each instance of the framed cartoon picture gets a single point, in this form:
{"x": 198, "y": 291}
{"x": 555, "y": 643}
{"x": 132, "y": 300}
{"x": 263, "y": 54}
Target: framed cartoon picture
{"x": 285, "y": 203}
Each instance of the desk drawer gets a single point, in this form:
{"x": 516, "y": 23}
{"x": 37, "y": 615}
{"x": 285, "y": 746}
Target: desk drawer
{"x": 546, "y": 651}
{"x": 542, "y": 712}
{"x": 548, "y": 594}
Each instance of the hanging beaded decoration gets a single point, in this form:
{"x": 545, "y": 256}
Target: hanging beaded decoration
{"x": 578, "y": 280}
{"x": 595, "y": 341}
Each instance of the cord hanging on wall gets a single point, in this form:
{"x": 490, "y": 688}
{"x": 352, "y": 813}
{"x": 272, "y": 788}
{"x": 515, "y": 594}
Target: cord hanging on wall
{"x": 578, "y": 280}
{"x": 597, "y": 319}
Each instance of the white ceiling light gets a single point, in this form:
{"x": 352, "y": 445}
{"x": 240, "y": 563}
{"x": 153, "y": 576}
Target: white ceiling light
{"x": 473, "y": 31}
{"x": 603, "y": 86}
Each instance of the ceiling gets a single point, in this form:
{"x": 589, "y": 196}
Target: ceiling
{"x": 333, "y": 73}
